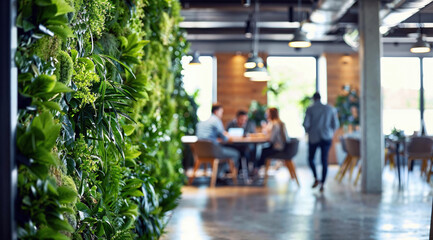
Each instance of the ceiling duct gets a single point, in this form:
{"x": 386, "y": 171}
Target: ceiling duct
{"x": 399, "y": 10}
{"x": 324, "y": 17}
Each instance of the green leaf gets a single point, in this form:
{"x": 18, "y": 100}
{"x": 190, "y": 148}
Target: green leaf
{"x": 121, "y": 63}
{"x": 49, "y": 233}
{"x": 66, "y": 194}
{"x": 133, "y": 193}
{"x": 52, "y": 105}
{"x": 62, "y": 31}
{"x": 60, "y": 88}
{"x": 63, "y": 7}
{"x": 43, "y": 3}
{"x": 89, "y": 65}
{"x": 44, "y": 156}
{"x": 128, "y": 129}
{"x": 59, "y": 225}
{"x": 40, "y": 170}
{"x": 132, "y": 154}
{"x": 42, "y": 84}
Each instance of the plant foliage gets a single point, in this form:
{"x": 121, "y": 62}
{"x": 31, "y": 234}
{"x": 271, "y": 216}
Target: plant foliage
{"x": 102, "y": 111}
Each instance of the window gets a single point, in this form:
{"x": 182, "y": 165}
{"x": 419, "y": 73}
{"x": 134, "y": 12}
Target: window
{"x": 199, "y": 80}
{"x": 400, "y": 79}
{"x": 293, "y": 78}
{"x": 428, "y": 94}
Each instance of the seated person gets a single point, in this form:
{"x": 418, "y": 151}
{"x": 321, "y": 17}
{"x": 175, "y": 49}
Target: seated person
{"x": 276, "y": 131}
{"x": 213, "y": 130}
{"x": 241, "y": 121}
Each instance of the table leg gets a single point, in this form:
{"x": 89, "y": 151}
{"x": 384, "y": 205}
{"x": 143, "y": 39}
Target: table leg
{"x": 244, "y": 170}
{"x": 398, "y": 165}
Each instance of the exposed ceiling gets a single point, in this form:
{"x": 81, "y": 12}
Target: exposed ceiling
{"x": 323, "y": 20}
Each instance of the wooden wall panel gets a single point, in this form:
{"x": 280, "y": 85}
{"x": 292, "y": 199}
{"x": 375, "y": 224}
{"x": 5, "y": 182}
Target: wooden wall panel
{"x": 234, "y": 91}
{"x": 342, "y": 69}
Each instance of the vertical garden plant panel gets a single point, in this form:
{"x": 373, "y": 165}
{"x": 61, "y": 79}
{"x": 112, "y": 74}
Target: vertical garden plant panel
{"x": 101, "y": 113}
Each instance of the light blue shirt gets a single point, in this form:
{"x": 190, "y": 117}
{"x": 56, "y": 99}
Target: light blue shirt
{"x": 320, "y": 122}
{"x": 211, "y": 129}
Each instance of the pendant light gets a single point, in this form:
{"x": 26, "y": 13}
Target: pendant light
{"x": 255, "y": 67}
{"x": 420, "y": 46}
{"x": 195, "y": 58}
{"x": 300, "y": 39}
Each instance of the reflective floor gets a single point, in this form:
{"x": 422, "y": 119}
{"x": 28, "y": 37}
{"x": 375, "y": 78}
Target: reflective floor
{"x": 285, "y": 211}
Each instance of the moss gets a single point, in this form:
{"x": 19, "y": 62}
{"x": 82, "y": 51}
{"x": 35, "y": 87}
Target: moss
{"x": 64, "y": 67}
{"x": 46, "y": 47}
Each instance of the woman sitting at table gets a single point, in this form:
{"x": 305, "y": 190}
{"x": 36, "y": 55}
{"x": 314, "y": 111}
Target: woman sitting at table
{"x": 276, "y": 131}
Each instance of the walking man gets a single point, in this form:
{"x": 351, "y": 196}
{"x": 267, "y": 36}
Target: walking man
{"x": 320, "y": 123}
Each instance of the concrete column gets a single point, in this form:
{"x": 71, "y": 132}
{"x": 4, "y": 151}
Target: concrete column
{"x": 370, "y": 51}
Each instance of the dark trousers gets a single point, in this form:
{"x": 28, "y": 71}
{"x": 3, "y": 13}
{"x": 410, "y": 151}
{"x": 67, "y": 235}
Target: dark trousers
{"x": 266, "y": 152}
{"x": 324, "y": 146}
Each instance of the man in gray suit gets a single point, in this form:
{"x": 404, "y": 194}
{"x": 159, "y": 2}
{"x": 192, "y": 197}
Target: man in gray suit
{"x": 320, "y": 123}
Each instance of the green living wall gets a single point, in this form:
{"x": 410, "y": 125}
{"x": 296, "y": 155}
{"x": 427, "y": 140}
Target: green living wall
{"x": 101, "y": 113}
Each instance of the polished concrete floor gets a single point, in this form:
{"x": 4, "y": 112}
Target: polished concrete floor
{"x": 282, "y": 210}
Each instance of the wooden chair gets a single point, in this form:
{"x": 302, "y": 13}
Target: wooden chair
{"x": 390, "y": 153}
{"x": 207, "y": 152}
{"x": 290, "y": 150}
{"x": 346, "y": 160}
{"x": 420, "y": 148}
{"x": 353, "y": 150}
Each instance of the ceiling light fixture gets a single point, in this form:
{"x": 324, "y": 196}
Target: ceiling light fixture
{"x": 255, "y": 67}
{"x": 300, "y": 39}
{"x": 248, "y": 33}
{"x": 420, "y": 46}
{"x": 195, "y": 58}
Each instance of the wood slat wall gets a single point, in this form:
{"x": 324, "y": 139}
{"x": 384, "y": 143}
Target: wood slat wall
{"x": 342, "y": 69}
{"x": 234, "y": 91}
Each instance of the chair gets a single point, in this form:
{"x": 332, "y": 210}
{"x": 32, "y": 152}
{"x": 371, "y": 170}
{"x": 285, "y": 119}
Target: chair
{"x": 353, "y": 150}
{"x": 290, "y": 150}
{"x": 345, "y": 161}
{"x": 390, "y": 153}
{"x": 420, "y": 148}
{"x": 206, "y": 152}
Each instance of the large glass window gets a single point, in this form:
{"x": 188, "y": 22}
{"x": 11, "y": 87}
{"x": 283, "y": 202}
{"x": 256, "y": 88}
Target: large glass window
{"x": 428, "y": 94}
{"x": 293, "y": 79}
{"x": 198, "y": 80}
{"x": 400, "y": 78}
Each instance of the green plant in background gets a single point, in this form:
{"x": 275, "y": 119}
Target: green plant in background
{"x": 256, "y": 112}
{"x": 99, "y": 138}
{"x": 347, "y": 106}
{"x": 305, "y": 103}
{"x": 397, "y": 134}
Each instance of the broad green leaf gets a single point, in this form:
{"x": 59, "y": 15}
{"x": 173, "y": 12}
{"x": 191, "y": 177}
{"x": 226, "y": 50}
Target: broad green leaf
{"x": 50, "y": 234}
{"x": 66, "y": 194}
{"x": 60, "y": 88}
{"x": 43, "y": 3}
{"x": 44, "y": 156}
{"x": 74, "y": 55}
{"x": 132, "y": 154}
{"x": 133, "y": 183}
{"x": 40, "y": 170}
{"x": 128, "y": 129}
{"x": 123, "y": 41}
{"x": 89, "y": 65}
{"x": 42, "y": 84}
{"x": 59, "y": 225}
{"x": 133, "y": 193}
{"x": 62, "y": 31}
{"x": 63, "y": 7}
{"x": 52, "y": 105}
